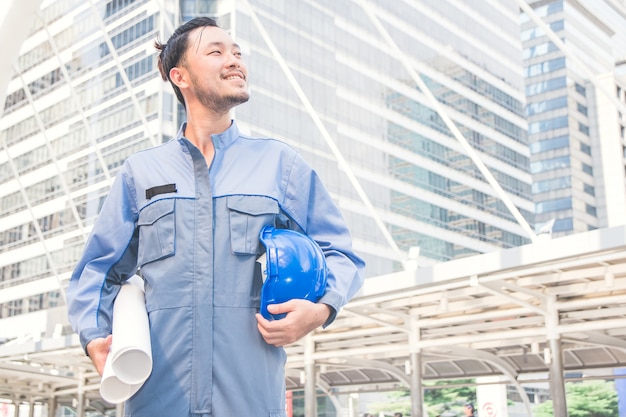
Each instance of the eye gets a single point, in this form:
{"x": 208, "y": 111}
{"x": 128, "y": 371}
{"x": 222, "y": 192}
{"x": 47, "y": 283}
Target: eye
{"x": 215, "y": 52}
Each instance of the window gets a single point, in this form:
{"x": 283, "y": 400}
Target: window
{"x": 585, "y": 148}
{"x": 551, "y": 184}
{"x": 15, "y": 308}
{"x": 554, "y": 205}
{"x": 133, "y": 33}
{"x": 537, "y": 32}
{"x": 548, "y": 85}
{"x": 115, "y": 6}
{"x": 544, "y": 67}
{"x": 18, "y": 97}
{"x": 550, "y": 164}
{"x": 550, "y": 144}
{"x": 539, "y": 50}
{"x": 563, "y": 225}
{"x": 43, "y": 83}
{"x": 583, "y": 128}
{"x": 590, "y": 210}
{"x": 545, "y": 10}
{"x": 548, "y": 124}
{"x": 546, "y": 105}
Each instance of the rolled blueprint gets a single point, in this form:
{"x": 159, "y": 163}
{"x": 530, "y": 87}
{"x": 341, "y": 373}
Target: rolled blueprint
{"x": 112, "y": 389}
{"x": 129, "y": 362}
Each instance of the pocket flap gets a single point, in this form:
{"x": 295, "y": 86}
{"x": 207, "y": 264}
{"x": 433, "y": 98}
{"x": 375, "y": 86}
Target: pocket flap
{"x": 252, "y": 204}
{"x": 155, "y": 211}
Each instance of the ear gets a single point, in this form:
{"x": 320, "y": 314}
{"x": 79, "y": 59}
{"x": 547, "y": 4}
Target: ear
{"x": 179, "y": 77}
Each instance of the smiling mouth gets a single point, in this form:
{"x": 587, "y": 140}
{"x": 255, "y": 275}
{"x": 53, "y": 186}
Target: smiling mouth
{"x": 235, "y": 77}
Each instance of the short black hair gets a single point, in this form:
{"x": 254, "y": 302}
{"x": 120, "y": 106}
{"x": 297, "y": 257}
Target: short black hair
{"x": 172, "y": 53}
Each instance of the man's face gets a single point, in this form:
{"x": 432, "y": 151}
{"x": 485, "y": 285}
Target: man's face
{"x": 218, "y": 77}
{"x": 468, "y": 410}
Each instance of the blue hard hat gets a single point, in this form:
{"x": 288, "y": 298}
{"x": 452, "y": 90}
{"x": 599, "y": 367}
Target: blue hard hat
{"x": 295, "y": 267}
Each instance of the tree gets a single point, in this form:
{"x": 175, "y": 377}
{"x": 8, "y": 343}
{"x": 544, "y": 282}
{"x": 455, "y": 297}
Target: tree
{"x": 397, "y": 402}
{"x": 437, "y": 400}
{"x": 585, "y": 399}
{"x": 455, "y": 394}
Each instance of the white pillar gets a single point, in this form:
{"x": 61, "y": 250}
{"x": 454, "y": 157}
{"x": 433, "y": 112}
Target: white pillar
{"x": 555, "y": 360}
{"x": 52, "y": 407}
{"x": 310, "y": 389}
{"x": 417, "y": 390}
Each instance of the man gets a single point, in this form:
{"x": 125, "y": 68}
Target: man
{"x": 188, "y": 214}
{"x": 469, "y": 410}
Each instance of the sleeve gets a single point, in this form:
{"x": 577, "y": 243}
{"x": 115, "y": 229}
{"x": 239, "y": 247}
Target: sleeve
{"x": 312, "y": 207}
{"x": 109, "y": 258}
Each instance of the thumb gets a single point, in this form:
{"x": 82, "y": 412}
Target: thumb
{"x": 285, "y": 307}
{"x": 108, "y": 341}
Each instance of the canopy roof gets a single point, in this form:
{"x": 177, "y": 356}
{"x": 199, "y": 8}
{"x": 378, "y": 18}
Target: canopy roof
{"x": 485, "y": 315}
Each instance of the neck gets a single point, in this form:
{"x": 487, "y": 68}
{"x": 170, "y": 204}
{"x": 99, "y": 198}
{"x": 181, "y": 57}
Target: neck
{"x": 200, "y": 127}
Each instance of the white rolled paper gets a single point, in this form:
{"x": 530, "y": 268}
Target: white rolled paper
{"x": 129, "y": 362}
{"x": 112, "y": 389}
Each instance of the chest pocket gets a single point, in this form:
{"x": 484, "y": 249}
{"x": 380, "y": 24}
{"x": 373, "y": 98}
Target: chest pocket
{"x": 157, "y": 231}
{"x": 247, "y": 216}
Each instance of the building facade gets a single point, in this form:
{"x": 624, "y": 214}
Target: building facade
{"x": 86, "y": 94}
{"x": 575, "y": 109}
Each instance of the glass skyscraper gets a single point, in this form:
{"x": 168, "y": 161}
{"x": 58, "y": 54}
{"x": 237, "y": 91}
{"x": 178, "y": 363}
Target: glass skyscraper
{"x": 576, "y": 111}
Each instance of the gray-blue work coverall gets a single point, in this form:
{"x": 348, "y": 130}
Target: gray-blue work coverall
{"x": 193, "y": 232}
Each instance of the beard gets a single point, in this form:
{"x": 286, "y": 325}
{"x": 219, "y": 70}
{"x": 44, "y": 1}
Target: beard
{"x": 218, "y": 103}
{"x": 223, "y": 104}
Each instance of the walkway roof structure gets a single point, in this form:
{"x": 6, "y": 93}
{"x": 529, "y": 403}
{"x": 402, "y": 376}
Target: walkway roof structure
{"x": 485, "y": 315}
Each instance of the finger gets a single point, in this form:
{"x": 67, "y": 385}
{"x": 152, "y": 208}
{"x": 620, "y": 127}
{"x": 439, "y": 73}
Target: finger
{"x": 263, "y": 322}
{"x": 285, "y": 307}
{"x": 271, "y": 331}
{"x": 266, "y": 327}
{"x": 281, "y": 308}
{"x": 260, "y": 318}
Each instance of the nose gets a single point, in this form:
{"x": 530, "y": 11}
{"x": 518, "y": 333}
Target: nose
{"x": 234, "y": 61}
